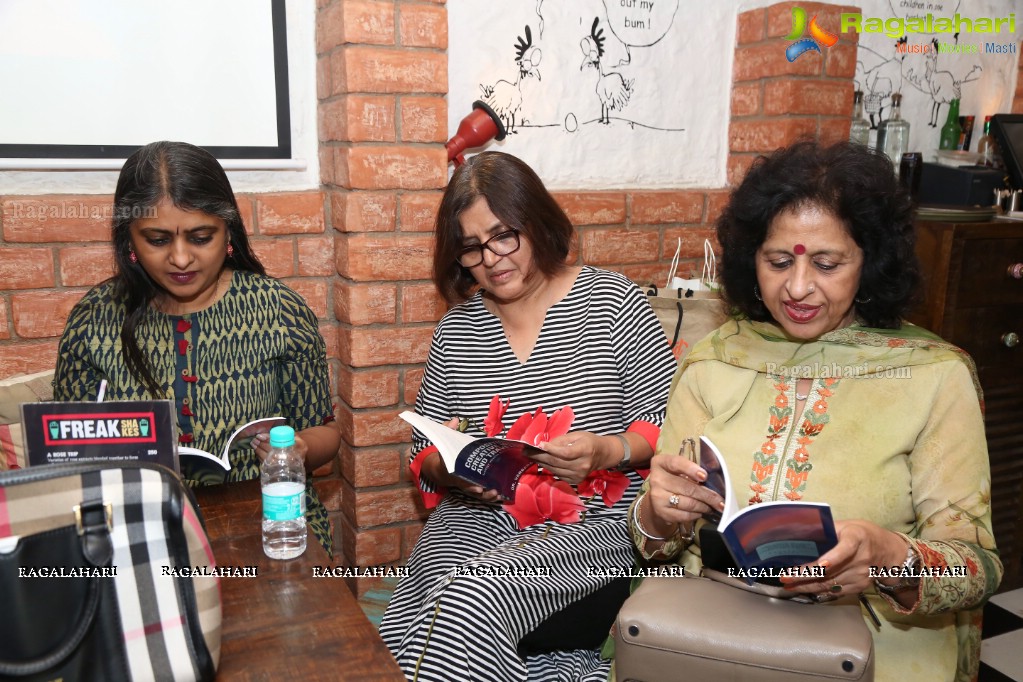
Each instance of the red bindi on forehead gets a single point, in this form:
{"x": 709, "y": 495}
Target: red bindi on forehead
{"x": 799, "y": 249}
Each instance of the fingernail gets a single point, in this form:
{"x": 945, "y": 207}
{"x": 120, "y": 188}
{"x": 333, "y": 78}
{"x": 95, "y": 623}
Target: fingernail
{"x": 721, "y": 505}
{"x": 701, "y": 475}
{"x": 823, "y": 563}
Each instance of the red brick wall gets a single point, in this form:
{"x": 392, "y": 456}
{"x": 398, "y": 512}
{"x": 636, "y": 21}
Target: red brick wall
{"x": 359, "y": 249}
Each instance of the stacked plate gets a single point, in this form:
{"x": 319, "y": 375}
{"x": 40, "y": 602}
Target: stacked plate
{"x": 956, "y": 214}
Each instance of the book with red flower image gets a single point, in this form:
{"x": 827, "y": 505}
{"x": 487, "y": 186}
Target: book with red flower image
{"x": 494, "y": 463}
{"x": 766, "y": 536}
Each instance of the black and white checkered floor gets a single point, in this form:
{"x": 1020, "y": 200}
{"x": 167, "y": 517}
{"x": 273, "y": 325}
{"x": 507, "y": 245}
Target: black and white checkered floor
{"x": 1001, "y": 656}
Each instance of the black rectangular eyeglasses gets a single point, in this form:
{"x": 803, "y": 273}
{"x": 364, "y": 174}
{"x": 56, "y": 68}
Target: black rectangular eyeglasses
{"x": 503, "y": 244}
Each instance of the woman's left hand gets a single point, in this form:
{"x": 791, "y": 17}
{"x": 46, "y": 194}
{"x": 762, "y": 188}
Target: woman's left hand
{"x": 575, "y": 455}
{"x": 261, "y": 444}
{"x": 861, "y": 544}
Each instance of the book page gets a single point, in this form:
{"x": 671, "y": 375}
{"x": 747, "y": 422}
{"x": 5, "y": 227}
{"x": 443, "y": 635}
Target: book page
{"x": 241, "y": 438}
{"x": 768, "y": 535}
{"x": 449, "y": 442}
{"x": 781, "y": 533}
{"x": 494, "y": 463}
{"x": 717, "y": 480}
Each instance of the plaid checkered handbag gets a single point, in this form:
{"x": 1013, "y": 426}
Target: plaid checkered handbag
{"x": 84, "y": 579}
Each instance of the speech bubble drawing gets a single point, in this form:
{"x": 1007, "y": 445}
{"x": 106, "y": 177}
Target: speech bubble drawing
{"x": 640, "y": 23}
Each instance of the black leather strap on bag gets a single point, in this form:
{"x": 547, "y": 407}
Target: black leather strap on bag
{"x": 89, "y": 549}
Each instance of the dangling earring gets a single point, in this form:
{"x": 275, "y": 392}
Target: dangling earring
{"x": 132, "y": 257}
{"x": 230, "y": 250}
{"x": 861, "y": 301}
{"x": 756, "y": 292}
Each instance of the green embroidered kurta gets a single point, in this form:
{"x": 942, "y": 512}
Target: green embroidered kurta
{"x": 891, "y": 432}
{"x": 257, "y": 352}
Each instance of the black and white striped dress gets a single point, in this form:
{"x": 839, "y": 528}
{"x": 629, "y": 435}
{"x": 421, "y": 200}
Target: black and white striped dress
{"x": 602, "y": 351}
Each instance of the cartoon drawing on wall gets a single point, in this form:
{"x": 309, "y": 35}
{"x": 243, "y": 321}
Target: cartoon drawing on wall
{"x": 639, "y": 23}
{"x": 878, "y": 76}
{"x": 613, "y": 90}
{"x": 566, "y": 102}
{"x": 505, "y": 97}
{"x": 932, "y": 63}
{"x": 941, "y": 84}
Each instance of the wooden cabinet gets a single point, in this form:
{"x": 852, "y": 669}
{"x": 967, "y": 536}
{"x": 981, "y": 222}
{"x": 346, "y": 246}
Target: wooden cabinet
{"x": 973, "y": 297}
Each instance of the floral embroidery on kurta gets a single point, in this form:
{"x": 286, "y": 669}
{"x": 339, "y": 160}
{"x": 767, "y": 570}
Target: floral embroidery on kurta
{"x": 765, "y": 459}
{"x": 797, "y": 464}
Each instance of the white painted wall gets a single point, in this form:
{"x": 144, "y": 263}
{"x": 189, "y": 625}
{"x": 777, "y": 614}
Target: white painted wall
{"x": 301, "y": 21}
{"x": 673, "y": 131}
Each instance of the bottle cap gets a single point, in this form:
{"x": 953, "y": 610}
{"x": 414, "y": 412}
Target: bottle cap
{"x": 282, "y": 437}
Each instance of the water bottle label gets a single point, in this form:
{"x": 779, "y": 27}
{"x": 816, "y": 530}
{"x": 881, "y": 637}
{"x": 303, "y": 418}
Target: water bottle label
{"x": 283, "y": 501}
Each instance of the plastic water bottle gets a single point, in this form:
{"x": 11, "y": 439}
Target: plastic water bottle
{"x": 282, "y": 477}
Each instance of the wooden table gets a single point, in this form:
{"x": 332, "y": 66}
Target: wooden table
{"x": 285, "y": 624}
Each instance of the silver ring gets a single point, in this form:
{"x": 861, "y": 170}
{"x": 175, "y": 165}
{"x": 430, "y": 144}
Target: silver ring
{"x": 673, "y": 500}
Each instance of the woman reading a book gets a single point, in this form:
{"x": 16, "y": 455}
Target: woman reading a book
{"x": 519, "y": 590}
{"x": 818, "y": 390}
{"x": 190, "y": 315}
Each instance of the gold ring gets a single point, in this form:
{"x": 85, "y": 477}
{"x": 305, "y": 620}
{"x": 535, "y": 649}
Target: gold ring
{"x": 673, "y": 500}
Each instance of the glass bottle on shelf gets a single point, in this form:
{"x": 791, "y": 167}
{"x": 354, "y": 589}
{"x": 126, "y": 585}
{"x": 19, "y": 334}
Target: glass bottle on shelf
{"x": 966, "y": 126}
{"x": 987, "y": 148}
{"x": 951, "y": 131}
{"x": 893, "y": 134}
{"x": 859, "y": 129}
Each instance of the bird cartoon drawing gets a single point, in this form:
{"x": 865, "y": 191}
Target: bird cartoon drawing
{"x": 881, "y": 77}
{"x": 613, "y": 90}
{"x": 505, "y": 97}
{"x": 942, "y": 86}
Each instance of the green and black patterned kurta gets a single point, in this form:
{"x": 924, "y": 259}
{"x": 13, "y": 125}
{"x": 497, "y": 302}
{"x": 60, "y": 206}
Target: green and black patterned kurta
{"x": 257, "y": 352}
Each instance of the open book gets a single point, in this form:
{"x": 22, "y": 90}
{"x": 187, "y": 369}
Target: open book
{"x": 494, "y": 463}
{"x": 770, "y": 535}
{"x": 241, "y": 438}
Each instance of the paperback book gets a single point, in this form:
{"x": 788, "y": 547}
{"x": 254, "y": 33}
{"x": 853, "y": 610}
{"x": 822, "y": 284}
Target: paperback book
{"x": 767, "y": 536}
{"x": 201, "y": 465}
{"x": 494, "y": 463}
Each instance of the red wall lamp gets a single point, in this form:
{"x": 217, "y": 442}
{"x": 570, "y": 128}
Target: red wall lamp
{"x": 475, "y": 130}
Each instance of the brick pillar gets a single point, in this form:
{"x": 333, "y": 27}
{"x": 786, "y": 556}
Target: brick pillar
{"x": 381, "y": 81}
{"x": 776, "y": 102}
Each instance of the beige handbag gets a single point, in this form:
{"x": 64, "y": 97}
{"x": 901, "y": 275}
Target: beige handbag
{"x": 701, "y": 629}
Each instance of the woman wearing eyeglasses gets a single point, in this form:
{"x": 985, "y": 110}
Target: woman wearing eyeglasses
{"x": 491, "y": 594}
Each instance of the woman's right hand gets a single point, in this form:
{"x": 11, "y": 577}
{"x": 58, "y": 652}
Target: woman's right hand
{"x": 434, "y": 469}
{"x": 671, "y": 475}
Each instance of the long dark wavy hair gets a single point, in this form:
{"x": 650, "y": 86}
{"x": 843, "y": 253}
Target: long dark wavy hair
{"x": 191, "y": 179}
{"x": 853, "y": 183}
{"x": 517, "y": 196}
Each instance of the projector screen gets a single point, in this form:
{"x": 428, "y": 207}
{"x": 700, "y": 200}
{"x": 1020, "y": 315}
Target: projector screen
{"x": 99, "y": 78}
